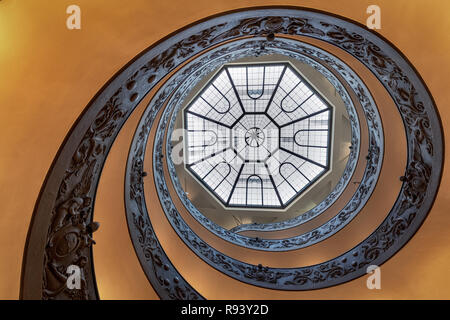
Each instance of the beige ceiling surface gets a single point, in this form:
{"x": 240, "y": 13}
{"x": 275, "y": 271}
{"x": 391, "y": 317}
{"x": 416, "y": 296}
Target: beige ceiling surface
{"x": 48, "y": 74}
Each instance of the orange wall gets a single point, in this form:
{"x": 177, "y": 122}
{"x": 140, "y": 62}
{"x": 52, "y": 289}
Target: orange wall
{"x": 48, "y": 74}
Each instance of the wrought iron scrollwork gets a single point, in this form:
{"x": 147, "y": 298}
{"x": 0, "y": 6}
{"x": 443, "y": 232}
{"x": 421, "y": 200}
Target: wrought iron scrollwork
{"x": 322, "y": 275}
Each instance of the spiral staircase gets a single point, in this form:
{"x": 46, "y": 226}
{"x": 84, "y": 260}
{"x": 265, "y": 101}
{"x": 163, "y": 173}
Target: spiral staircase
{"x": 386, "y": 160}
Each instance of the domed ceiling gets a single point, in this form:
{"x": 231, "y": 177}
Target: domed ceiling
{"x": 257, "y": 135}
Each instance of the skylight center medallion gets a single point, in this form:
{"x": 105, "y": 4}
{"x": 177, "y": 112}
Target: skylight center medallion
{"x": 254, "y": 137}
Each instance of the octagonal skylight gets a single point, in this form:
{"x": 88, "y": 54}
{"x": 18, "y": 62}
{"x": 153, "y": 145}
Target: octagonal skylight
{"x": 257, "y": 135}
